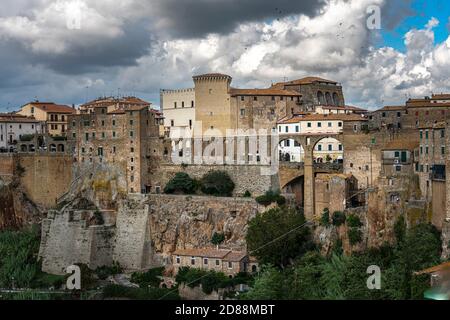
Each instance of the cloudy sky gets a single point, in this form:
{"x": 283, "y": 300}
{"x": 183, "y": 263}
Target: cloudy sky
{"x": 68, "y": 51}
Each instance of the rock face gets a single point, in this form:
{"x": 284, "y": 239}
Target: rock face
{"x": 16, "y": 210}
{"x": 144, "y": 232}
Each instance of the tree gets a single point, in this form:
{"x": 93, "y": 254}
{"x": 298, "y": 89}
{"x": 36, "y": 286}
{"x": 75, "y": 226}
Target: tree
{"x": 325, "y": 219}
{"x": 181, "y": 183}
{"x": 338, "y": 218}
{"x": 278, "y": 235}
{"x": 217, "y": 183}
{"x": 268, "y": 285}
{"x": 270, "y": 197}
{"x": 217, "y": 238}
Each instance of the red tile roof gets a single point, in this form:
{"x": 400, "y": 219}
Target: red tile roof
{"x": 325, "y": 117}
{"x": 52, "y": 107}
{"x": 401, "y": 144}
{"x": 225, "y": 254}
{"x": 442, "y": 267}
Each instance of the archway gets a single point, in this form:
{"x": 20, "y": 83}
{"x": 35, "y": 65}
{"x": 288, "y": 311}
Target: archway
{"x": 31, "y": 148}
{"x": 290, "y": 150}
{"x": 328, "y": 98}
{"x": 335, "y": 99}
{"x": 328, "y": 150}
{"x": 53, "y": 147}
{"x": 60, "y": 148}
{"x": 321, "y": 98}
{"x": 296, "y": 188}
{"x": 23, "y": 148}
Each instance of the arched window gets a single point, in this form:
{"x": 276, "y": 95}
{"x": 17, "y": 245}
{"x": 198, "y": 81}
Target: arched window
{"x": 335, "y": 99}
{"x": 320, "y": 98}
{"x": 328, "y": 97}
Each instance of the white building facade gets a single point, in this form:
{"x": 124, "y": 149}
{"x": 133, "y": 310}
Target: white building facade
{"x": 13, "y": 128}
{"x": 178, "y": 107}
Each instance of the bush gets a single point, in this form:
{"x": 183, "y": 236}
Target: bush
{"x": 247, "y": 194}
{"x": 353, "y": 221}
{"x": 106, "y": 271}
{"x": 217, "y": 183}
{"x": 354, "y": 236}
{"x": 217, "y": 238}
{"x": 270, "y": 197}
{"x": 209, "y": 280}
{"x": 151, "y": 278}
{"x": 338, "y": 218}
{"x": 27, "y": 137}
{"x": 325, "y": 219}
{"x": 181, "y": 183}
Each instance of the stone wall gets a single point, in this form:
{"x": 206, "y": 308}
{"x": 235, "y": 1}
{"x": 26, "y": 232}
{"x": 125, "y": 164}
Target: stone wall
{"x": 145, "y": 233}
{"x": 245, "y": 177}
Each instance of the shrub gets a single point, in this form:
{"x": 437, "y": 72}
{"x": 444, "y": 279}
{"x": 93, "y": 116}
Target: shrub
{"x": 354, "y": 236}
{"x": 270, "y": 197}
{"x": 209, "y": 280}
{"x": 247, "y": 194}
{"x": 217, "y": 238}
{"x": 150, "y": 278}
{"x": 338, "y": 218}
{"x": 217, "y": 183}
{"x": 181, "y": 183}
{"x": 106, "y": 271}
{"x": 325, "y": 219}
{"x": 353, "y": 221}
{"x": 27, "y": 137}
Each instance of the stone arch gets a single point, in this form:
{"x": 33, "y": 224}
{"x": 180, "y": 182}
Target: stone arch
{"x": 52, "y": 147}
{"x": 61, "y": 147}
{"x": 328, "y": 149}
{"x": 23, "y": 148}
{"x": 320, "y": 97}
{"x": 31, "y": 148}
{"x": 293, "y": 151}
{"x": 328, "y": 99}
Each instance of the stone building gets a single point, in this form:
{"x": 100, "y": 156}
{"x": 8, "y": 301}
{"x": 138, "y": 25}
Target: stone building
{"x": 398, "y": 158}
{"x": 218, "y": 106}
{"x": 15, "y": 128}
{"x": 53, "y": 115}
{"x": 220, "y": 260}
{"x": 121, "y": 137}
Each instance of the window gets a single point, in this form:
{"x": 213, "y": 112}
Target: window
{"x": 399, "y": 114}
{"x": 330, "y": 124}
{"x": 193, "y": 261}
{"x": 421, "y": 150}
{"x": 287, "y": 143}
{"x": 103, "y": 123}
{"x": 172, "y": 123}
{"x": 114, "y": 134}
{"x": 383, "y": 114}
{"x": 192, "y": 104}
{"x": 281, "y": 98}
{"x": 398, "y": 168}
{"x": 32, "y": 109}
{"x": 330, "y": 147}
{"x": 355, "y": 127}
{"x": 114, "y": 149}
{"x": 74, "y": 135}
{"x": 319, "y": 147}
{"x": 87, "y": 136}
{"x": 190, "y": 123}
{"x": 131, "y": 133}
{"x": 175, "y": 105}
{"x": 319, "y": 124}
{"x": 255, "y": 98}
{"x": 230, "y": 265}
{"x": 114, "y": 122}
{"x": 426, "y": 150}
{"x": 421, "y": 134}
{"x": 340, "y": 124}
{"x": 182, "y": 104}
{"x": 297, "y": 128}
{"x": 340, "y": 147}
{"x": 103, "y": 135}
{"x": 309, "y": 124}
{"x": 242, "y": 112}
{"x": 442, "y": 150}
{"x": 178, "y": 260}
{"x": 100, "y": 152}
{"x": 131, "y": 122}
{"x": 217, "y": 262}
{"x": 273, "y": 98}
{"x": 442, "y": 133}
{"x": 426, "y": 134}
{"x": 205, "y": 261}
{"x": 132, "y": 159}
{"x": 131, "y": 150}
{"x": 132, "y": 178}
{"x": 242, "y": 98}
{"x": 286, "y": 129}
{"x": 279, "y": 129}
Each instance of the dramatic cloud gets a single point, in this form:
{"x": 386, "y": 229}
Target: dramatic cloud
{"x": 141, "y": 46}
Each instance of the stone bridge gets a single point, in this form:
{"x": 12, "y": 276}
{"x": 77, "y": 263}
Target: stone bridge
{"x": 308, "y": 142}
{"x": 290, "y": 171}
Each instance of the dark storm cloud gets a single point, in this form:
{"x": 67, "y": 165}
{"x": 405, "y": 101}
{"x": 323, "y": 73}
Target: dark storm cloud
{"x": 195, "y": 18}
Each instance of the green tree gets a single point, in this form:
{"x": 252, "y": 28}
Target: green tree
{"x": 217, "y": 238}
{"x": 268, "y": 285}
{"x": 217, "y": 183}
{"x": 181, "y": 183}
{"x": 338, "y": 218}
{"x": 278, "y": 235}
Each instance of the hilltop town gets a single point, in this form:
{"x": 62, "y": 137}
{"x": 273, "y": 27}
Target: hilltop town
{"x": 116, "y": 181}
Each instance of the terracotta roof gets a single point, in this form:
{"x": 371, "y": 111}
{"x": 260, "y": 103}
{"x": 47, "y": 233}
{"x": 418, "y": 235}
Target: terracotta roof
{"x": 235, "y": 256}
{"x": 102, "y": 102}
{"x": 391, "y": 108}
{"x": 401, "y": 144}
{"x": 442, "y": 267}
{"x": 306, "y": 80}
{"x": 264, "y": 92}
{"x": 117, "y": 111}
{"x": 343, "y": 108}
{"x": 204, "y": 253}
{"x": 52, "y": 107}
{"x": 227, "y": 255}
{"x": 4, "y": 117}
{"x": 425, "y": 104}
